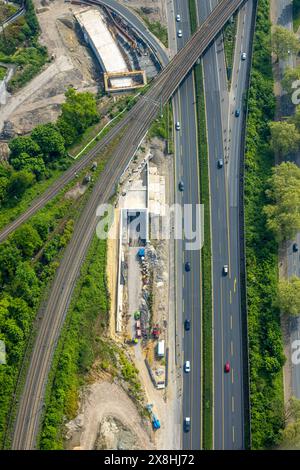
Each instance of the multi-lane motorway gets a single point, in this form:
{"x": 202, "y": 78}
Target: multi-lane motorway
{"x": 225, "y": 132}
{"x": 29, "y": 411}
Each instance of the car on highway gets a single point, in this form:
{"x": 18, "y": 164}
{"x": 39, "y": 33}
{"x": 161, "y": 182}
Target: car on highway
{"x": 227, "y": 367}
{"x": 187, "y": 424}
{"x": 187, "y": 367}
{"x": 237, "y": 113}
{"x": 244, "y": 56}
{"x": 220, "y": 163}
{"x": 295, "y": 247}
{"x": 187, "y": 266}
{"x": 178, "y": 18}
{"x": 179, "y": 33}
{"x": 187, "y": 324}
{"x": 181, "y": 186}
{"x": 177, "y": 126}
{"x": 225, "y": 269}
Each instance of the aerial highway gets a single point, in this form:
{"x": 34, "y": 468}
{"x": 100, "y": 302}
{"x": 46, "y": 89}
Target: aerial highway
{"x": 162, "y": 88}
{"x": 29, "y": 412}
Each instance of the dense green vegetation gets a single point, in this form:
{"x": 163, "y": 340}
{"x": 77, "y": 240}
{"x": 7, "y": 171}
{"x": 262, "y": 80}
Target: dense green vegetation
{"x": 296, "y": 14}
{"x": 207, "y": 359}
{"x": 35, "y": 160}
{"x": 207, "y": 398}
{"x": 265, "y": 341}
{"x": 83, "y": 345}
{"x": 282, "y": 210}
{"x": 2, "y": 72}
{"x": 80, "y": 343}
{"x": 162, "y": 127}
{"x": 28, "y": 260}
{"x": 19, "y": 45}
{"x": 289, "y": 296}
{"x": 284, "y": 42}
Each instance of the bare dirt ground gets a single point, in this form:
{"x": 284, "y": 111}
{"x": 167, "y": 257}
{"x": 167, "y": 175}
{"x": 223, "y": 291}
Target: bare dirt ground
{"x": 108, "y": 419}
{"x": 71, "y": 65}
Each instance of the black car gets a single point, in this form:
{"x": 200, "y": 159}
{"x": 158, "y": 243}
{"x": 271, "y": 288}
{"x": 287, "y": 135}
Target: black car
{"x": 181, "y": 186}
{"x": 295, "y": 247}
{"x": 220, "y": 163}
{"x": 187, "y": 325}
{"x": 237, "y": 113}
{"x": 187, "y": 266}
{"x": 187, "y": 424}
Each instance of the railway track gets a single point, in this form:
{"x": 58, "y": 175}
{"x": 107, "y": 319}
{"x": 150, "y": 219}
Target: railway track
{"x": 137, "y": 121}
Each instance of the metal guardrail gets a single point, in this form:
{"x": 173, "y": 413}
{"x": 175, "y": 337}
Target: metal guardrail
{"x": 243, "y": 267}
{"x": 13, "y": 17}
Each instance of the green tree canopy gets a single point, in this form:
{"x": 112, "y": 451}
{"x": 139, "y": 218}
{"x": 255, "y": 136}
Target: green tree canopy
{"x": 285, "y": 138}
{"x": 19, "y": 182}
{"x": 284, "y": 42}
{"x": 25, "y": 283}
{"x": 290, "y": 76}
{"x": 283, "y": 212}
{"x": 10, "y": 256}
{"x": 49, "y": 140}
{"x": 78, "y": 113}
{"x": 289, "y": 295}
{"x": 24, "y": 144}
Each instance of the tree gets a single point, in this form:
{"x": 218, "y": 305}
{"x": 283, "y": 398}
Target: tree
{"x": 289, "y": 296}
{"x": 19, "y": 182}
{"x": 284, "y": 42}
{"x": 24, "y": 161}
{"x": 27, "y": 240}
{"x": 290, "y": 435}
{"x": 24, "y": 144}
{"x": 25, "y": 284}
{"x": 10, "y": 256}
{"x": 285, "y": 138}
{"x": 3, "y": 188}
{"x": 283, "y": 212}
{"x": 49, "y": 140}
{"x": 290, "y": 76}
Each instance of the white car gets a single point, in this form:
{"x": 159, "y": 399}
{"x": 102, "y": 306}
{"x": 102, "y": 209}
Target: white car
{"x": 244, "y": 56}
{"x": 177, "y": 126}
{"x": 225, "y": 269}
{"x": 178, "y": 18}
{"x": 179, "y": 33}
{"x": 187, "y": 366}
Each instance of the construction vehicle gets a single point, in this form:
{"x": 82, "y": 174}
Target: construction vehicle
{"x": 154, "y": 419}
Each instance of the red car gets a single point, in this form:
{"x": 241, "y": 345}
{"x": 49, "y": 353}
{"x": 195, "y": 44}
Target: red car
{"x": 227, "y": 367}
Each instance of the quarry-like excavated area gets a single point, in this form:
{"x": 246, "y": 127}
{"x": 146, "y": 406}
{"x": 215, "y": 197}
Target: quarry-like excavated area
{"x": 71, "y": 64}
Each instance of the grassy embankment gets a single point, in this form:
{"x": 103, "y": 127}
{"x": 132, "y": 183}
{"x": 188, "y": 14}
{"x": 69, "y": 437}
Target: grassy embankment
{"x": 206, "y": 250}
{"x": 265, "y": 341}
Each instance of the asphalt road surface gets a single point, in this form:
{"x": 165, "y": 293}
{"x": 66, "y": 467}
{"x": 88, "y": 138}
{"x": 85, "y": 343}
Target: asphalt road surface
{"x": 30, "y": 406}
{"x": 224, "y": 141}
